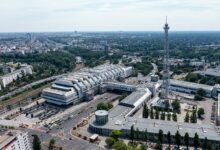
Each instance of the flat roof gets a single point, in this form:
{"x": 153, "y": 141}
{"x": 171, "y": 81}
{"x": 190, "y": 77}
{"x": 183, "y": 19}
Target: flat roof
{"x": 119, "y": 111}
{"x": 59, "y": 92}
{"x": 153, "y": 126}
{"x": 211, "y": 72}
{"x": 6, "y": 139}
{"x": 190, "y": 85}
{"x": 218, "y": 105}
{"x": 101, "y": 113}
{"x": 133, "y": 97}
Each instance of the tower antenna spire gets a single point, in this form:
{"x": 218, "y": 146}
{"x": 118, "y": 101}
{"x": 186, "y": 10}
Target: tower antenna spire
{"x": 166, "y": 19}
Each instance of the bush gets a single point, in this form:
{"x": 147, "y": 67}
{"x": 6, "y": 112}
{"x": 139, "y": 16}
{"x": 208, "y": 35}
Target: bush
{"x": 120, "y": 145}
{"x": 115, "y": 134}
{"x": 110, "y": 141}
{"x": 104, "y": 106}
{"x": 198, "y": 97}
{"x": 200, "y": 112}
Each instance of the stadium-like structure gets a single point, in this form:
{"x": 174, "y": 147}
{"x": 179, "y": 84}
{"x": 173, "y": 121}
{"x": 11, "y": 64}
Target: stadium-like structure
{"x": 84, "y": 84}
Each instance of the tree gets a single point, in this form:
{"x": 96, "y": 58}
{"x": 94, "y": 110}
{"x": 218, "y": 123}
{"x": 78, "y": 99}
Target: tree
{"x": 159, "y": 145}
{"x": 205, "y": 144}
{"x": 186, "y": 119}
{"x": 162, "y": 116}
{"x": 151, "y": 113}
{"x": 178, "y": 139}
{"x": 137, "y": 134}
{"x": 110, "y": 141}
{"x": 157, "y": 114}
{"x": 143, "y": 147}
{"x": 52, "y": 144}
{"x": 145, "y": 111}
{"x": 193, "y": 117}
{"x": 110, "y": 105}
{"x": 201, "y": 92}
{"x": 145, "y": 135}
{"x": 169, "y": 116}
{"x": 36, "y": 143}
{"x": 174, "y": 117}
{"x": 169, "y": 138}
{"x": 132, "y": 133}
{"x": 197, "y": 97}
{"x": 120, "y": 145}
{"x": 176, "y": 106}
{"x": 186, "y": 140}
{"x": 102, "y": 106}
{"x": 115, "y": 134}
{"x": 211, "y": 146}
{"x": 160, "y": 136}
{"x": 200, "y": 112}
{"x": 192, "y": 77}
{"x": 196, "y": 140}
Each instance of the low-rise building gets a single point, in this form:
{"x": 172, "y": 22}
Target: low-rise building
{"x": 211, "y": 72}
{"x": 190, "y": 87}
{"x": 10, "y": 77}
{"x": 218, "y": 111}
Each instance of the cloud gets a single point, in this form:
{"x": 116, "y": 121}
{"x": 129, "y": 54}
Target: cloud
{"x": 57, "y": 15}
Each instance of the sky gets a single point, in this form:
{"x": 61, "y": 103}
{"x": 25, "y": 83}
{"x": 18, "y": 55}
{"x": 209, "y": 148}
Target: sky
{"x": 108, "y": 15}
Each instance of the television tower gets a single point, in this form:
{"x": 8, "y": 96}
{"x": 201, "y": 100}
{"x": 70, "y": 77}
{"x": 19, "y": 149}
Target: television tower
{"x": 166, "y": 65}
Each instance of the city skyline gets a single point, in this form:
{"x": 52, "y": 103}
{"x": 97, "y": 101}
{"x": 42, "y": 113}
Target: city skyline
{"x": 112, "y": 15}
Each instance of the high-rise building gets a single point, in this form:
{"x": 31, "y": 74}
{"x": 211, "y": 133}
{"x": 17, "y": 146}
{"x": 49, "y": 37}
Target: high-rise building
{"x": 15, "y": 140}
{"x": 166, "y": 66}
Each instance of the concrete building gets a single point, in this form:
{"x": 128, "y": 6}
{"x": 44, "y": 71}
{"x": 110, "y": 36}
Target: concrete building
{"x": 83, "y": 85}
{"x": 191, "y": 88}
{"x": 131, "y": 103}
{"x": 153, "y": 126}
{"x": 120, "y": 118}
{"x": 101, "y": 117}
{"x": 79, "y": 60}
{"x": 211, "y": 72}
{"x": 15, "y": 141}
{"x": 6, "y": 68}
{"x": 120, "y": 86}
{"x": 10, "y": 77}
{"x": 218, "y": 111}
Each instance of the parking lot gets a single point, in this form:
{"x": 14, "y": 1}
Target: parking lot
{"x": 41, "y": 111}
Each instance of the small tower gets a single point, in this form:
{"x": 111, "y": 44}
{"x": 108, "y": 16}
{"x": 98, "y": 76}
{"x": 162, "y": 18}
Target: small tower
{"x": 166, "y": 66}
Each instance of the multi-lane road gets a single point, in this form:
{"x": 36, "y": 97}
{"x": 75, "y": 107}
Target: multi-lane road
{"x": 67, "y": 140}
{"x": 28, "y": 86}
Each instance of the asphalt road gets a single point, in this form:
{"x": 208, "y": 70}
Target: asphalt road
{"x": 19, "y": 90}
{"x": 74, "y": 144}
{"x": 68, "y": 141}
{"x": 81, "y": 113}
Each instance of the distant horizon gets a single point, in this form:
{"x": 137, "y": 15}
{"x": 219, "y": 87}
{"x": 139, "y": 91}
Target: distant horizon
{"x": 112, "y": 31}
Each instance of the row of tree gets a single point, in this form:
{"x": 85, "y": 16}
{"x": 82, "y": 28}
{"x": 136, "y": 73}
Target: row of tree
{"x": 161, "y": 138}
{"x": 36, "y": 145}
{"x": 113, "y": 142}
{"x": 194, "y": 114}
{"x": 157, "y": 114}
